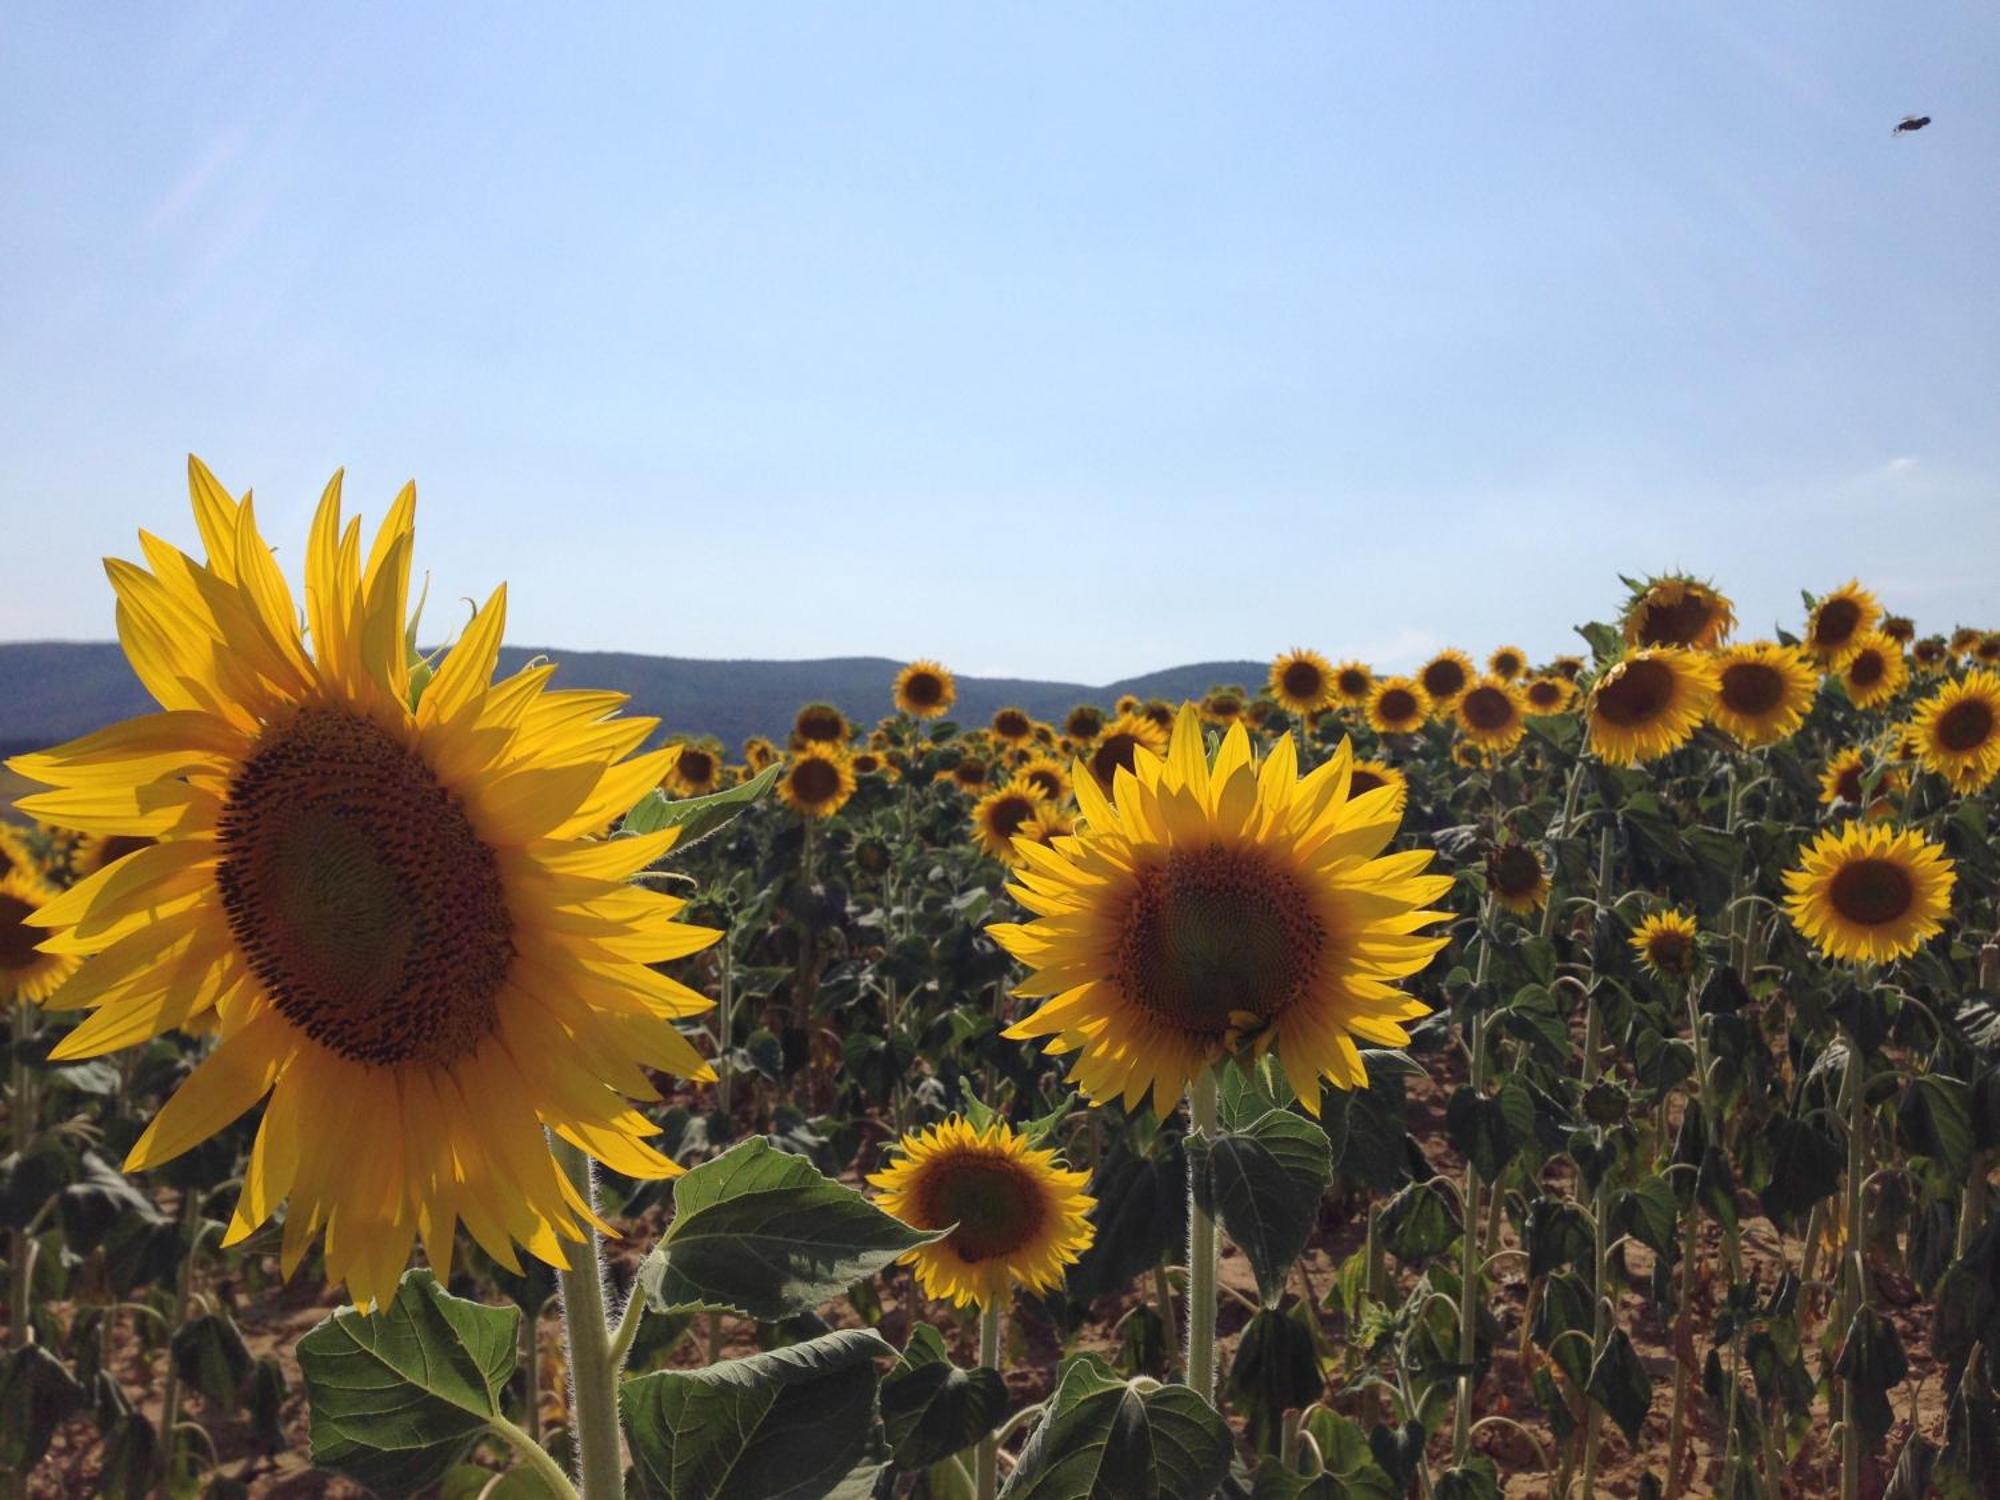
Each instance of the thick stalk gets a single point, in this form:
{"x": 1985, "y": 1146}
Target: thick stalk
{"x": 1468, "y": 1301}
{"x": 1855, "y": 1261}
{"x": 1202, "y": 1265}
{"x": 986, "y": 1468}
{"x": 1165, "y": 1294}
{"x": 530, "y": 1355}
{"x": 21, "y": 1111}
{"x": 725, "y": 1020}
{"x": 593, "y": 1380}
{"x": 1568, "y": 812}
{"x": 1600, "y": 1326}
{"x": 170, "y": 1400}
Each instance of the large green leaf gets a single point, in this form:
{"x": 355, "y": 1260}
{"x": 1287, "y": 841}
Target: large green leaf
{"x": 1264, "y": 1183}
{"x": 931, "y": 1409}
{"x": 787, "y": 1425}
{"x": 1104, "y": 1439}
{"x": 398, "y": 1395}
{"x": 37, "y": 1395}
{"x": 758, "y": 1231}
{"x": 697, "y": 817}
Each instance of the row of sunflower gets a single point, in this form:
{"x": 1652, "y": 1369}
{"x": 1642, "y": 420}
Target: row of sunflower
{"x": 1656, "y": 926}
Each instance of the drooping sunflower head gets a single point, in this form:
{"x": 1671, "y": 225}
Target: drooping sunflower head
{"x": 1215, "y": 906}
{"x": 1161, "y": 712}
{"x": 1515, "y": 876}
{"x": 695, "y": 771}
{"x": 1492, "y": 715}
{"x": 1668, "y": 943}
{"x": 1570, "y": 667}
{"x": 1117, "y": 749}
{"x": 1302, "y": 682}
{"x": 1678, "y": 611}
{"x": 1508, "y": 663}
{"x": 1873, "y": 670}
{"x": 1648, "y": 703}
{"x": 397, "y": 908}
{"x": 1223, "y": 706}
{"x": 1930, "y": 655}
{"x": 1851, "y": 777}
{"x": 1397, "y": 706}
{"x": 1869, "y": 894}
{"x": 1839, "y": 620}
{"x": 1899, "y": 628}
{"x": 1549, "y": 694}
{"x": 1084, "y": 723}
{"x": 27, "y": 973}
{"x": 1957, "y": 731}
{"x": 817, "y": 781}
{"x": 759, "y": 752}
{"x": 1443, "y": 678}
{"x": 1371, "y": 774}
{"x": 1001, "y": 814}
{"x": 1013, "y": 726}
{"x": 820, "y": 724}
{"x": 1353, "y": 681}
{"x": 1016, "y": 1215}
{"x": 925, "y": 690}
{"x": 1046, "y": 775}
{"x": 1763, "y": 692}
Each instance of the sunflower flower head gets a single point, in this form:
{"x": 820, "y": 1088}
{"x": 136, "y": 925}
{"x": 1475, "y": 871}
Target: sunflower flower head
{"x": 1649, "y": 702}
{"x": 1302, "y": 682}
{"x": 1763, "y": 692}
{"x": 1677, "y": 611}
{"x": 1667, "y": 943}
{"x": 1869, "y": 894}
{"x": 1396, "y": 705}
{"x": 1492, "y": 715}
{"x": 817, "y": 781}
{"x": 925, "y": 690}
{"x": 27, "y": 973}
{"x": 1836, "y": 623}
{"x": 1874, "y": 670}
{"x": 1957, "y": 731}
{"x": 1516, "y": 879}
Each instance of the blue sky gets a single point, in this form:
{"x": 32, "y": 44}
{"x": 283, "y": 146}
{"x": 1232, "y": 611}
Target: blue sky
{"x": 1065, "y": 341}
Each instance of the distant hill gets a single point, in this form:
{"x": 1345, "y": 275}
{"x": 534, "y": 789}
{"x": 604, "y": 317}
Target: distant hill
{"x": 55, "y": 690}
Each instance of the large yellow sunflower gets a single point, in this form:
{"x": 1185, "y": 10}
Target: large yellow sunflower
{"x": 1443, "y": 678}
{"x": 1649, "y": 702}
{"x": 397, "y": 906}
{"x": 1763, "y": 692}
{"x": 1117, "y": 748}
{"x": 1678, "y": 611}
{"x": 1396, "y": 706}
{"x": 1493, "y": 715}
{"x": 27, "y": 972}
{"x": 1015, "y": 1213}
{"x": 1666, "y": 942}
{"x": 1001, "y": 814}
{"x": 1869, "y": 894}
{"x": 1208, "y": 908}
{"x": 1302, "y": 682}
{"x": 1838, "y": 622}
{"x": 818, "y": 781}
{"x": 924, "y": 690}
{"x": 1957, "y": 731}
{"x": 1873, "y": 670}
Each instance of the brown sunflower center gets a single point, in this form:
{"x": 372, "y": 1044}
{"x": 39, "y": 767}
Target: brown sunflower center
{"x": 1303, "y": 682}
{"x": 1008, "y": 812}
{"x": 970, "y": 771}
{"x": 1676, "y": 623}
{"x": 1867, "y": 669}
{"x": 1048, "y": 782}
{"x": 1543, "y": 693}
{"x": 1012, "y": 724}
{"x": 1752, "y": 688}
{"x": 923, "y": 690}
{"x": 1353, "y": 682}
{"x": 360, "y": 895}
{"x": 1363, "y": 781}
{"x": 1443, "y": 678}
{"x": 1872, "y": 892}
{"x": 1115, "y": 753}
{"x": 1514, "y": 870}
{"x": 1966, "y": 725}
{"x": 1507, "y": 664}
{"x": 1084, "y": 723}
{"x": 697, "y": 767}
{"x": 1637, "y": 693}
{"x": 819, "y": 724}
{"x": 1487, "y": 708}
{"x": 1669, "y": 951}
{"x": 1398, "y": 705}
{"x": 995, "y": 1204}
{"x": 1835, "y": 622}
{"x": 1215, "y": 934}
{"x": 17, "y": 938}
{"x": 815, "y": 780}
{"x": 1848, "y": 783}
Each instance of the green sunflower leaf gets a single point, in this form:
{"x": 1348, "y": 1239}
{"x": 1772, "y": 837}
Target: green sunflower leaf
{"x": 1103, "y": 1438}
{"x": 788, "y": 1425}
{"x": 931, "y": 1409}
{"x": 1264, "y": 1183}
{"x": 697, "y": 817}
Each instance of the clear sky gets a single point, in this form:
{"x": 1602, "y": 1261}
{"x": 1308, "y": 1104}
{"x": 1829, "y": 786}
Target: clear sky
{"x": 1057, "y": 340}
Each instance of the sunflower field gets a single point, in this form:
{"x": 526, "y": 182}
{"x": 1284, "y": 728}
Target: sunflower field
{"x": 1510, "y": 1078}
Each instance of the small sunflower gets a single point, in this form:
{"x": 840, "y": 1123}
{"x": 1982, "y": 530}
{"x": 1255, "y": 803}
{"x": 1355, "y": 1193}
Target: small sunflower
{"x": 1648, "y": 703}
{"x": 872, "y": 763}
{"x": 1571, "y": 668}
{"x": 1302, "y": 682}
{"x": 1128, "y": 703}
{"x": 1515, "y": 876}
{"x": 1869, "y": 894}
{"x": 1396, "y": 706}
{"x": 1763, "y": 692}
{"x": 1443, "y": 678}
{"x": 1845, "y": 779}
{"x": 1964, "y": 639}
{"x": 820, "y": 724}
{"x": 1493, "y": 715}
{"x": 1371, "y": 774}
{"x": 1930, "y": 655}
{"x": 1838, "y": 622}
{"x": 1987, "y": 651}
{"x": 1015, "y": 1213}
{"x": 1123, "y": 738}
{"x": 1046, "y": 774}
{"x": 1219, "y": 907}
{"x": 1899, "y": 628}
{"x": 818, "y": 781}
{"x": 1666, "y": 942}
{"x": 925, "y": 690}
{"x": 758, "y": 753}
{"x": 1508, "y": 663}
{"x": 1353, "y": 681}
{"x": 1001, "y": 814}
{"x": 1084, "y": 723}
{"x": 695, "y": 771}
{"x": 1549, "y": 694}
{"x": 1957, "y": 731}
{"x": 1223, "y": 706}
{"x": 1013, "y": 726}
{"x": 1873, "y": 670}
{"x": 1048, "y": 824}
{"x": 1678, "y": 611}
{"x": 27, "y": 973}
{"x": 91, "y": 852}
{"x": 1161, "y": 713}
{"x": 970, "y": 774}
{"x": 15, "y": 851}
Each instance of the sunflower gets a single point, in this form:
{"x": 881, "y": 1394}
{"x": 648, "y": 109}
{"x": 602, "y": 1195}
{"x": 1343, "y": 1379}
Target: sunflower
{"x": 820, "y": 724}
{"x": 1957, "y": 731}
{"x": 758, "y": 753}
{"x": 1873, "y": 671}
{"x": 1013, "y": 726}
{"x": 1763, "y": 692}
{"x": 15, "y": 853}
{"x": 1493, "y": 715}
{"x": 1047, "y": 825}
{"x": 1353, "y": 681}
{"x": 871, "y": 763}
{"x": 1210, "y": 908}
{"x": 1120, "y": 743}
{"x": 1845, "y": 779}
{"x": 1507, "y": 663}
{"x": 970, "y": 774}
{"x": 1899, "y": 628}
{"x": 1223, "y": 706}
{"x": 1516, "y": 879}
{"x": 1443, "y": 678}
{"x": 1084, "y": 723}
{"x": 1396, "y": 706}
{"x": 1370, "y": 774}
{"x": 1161, "y": 713}
{"x": 1127, "y": 703}
{"x": 925, "y": 690}
{"x": 695, "y": 771}
{"x": 1571, "y": 668}
{"x": 1838, "y": 621}
{"x": 1046, "y": 774}
{"x": 1678, "y": 611}
{"x": 414, "y": 943}
{"x": 1015, "y": 1213}
{"x": 1467, "y": 755}
{"x": 1649, "y": 702}
{"x": 27, "y": 973}
{"x": 1666, "y": 942}
{"x": 1302, "y": 682}
{"x": 1001, "y": 814}
{"x": 1987, "y": 651}
{"x": 1869, "y": 894}
{"x": 817, "y": 782}
{"x": 1548, "y": 694}
{"x": 1931, "y": 655}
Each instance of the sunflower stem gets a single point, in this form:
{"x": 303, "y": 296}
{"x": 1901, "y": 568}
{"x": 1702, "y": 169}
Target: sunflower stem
{"x": 536, "y": 1457}
{"x": 1468, "y": 1302}
{"x": 593, "y": 1378}
{"x": 986, "y": 1476}
{"x": 1854, "y": 1086}
{"x": 20, "y": 1252}
{"x": 1202, "y": 1258}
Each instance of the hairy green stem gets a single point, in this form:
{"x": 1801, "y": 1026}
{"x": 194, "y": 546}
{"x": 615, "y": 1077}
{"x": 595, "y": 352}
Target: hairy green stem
{"x": 986, "y": 1464}
{"x": 536, "y": 1457}
{"x": 593, "y": 1379}
{"x": 1202, "y": 1258}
